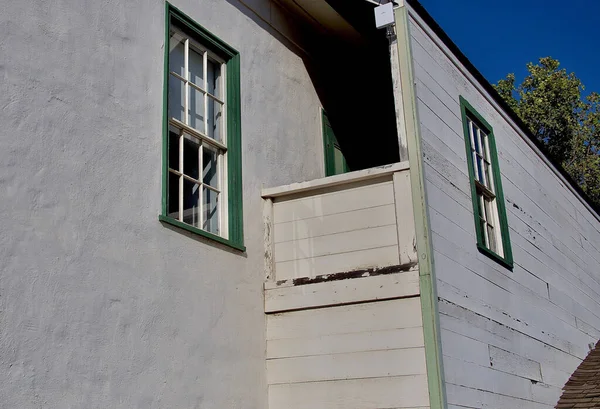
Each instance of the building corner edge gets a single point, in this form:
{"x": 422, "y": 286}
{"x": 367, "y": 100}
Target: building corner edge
{"x": 427, "y": 282}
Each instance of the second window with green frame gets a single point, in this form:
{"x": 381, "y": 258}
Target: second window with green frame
{"x": 489, "y": 210}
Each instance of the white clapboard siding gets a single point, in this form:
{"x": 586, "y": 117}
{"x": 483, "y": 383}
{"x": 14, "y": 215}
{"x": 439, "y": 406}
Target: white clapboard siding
{"x": 342, "y": 200}
{"x": 356, "y": 365}
{"x": 486, "y": 379}
{"x": 536, "y": 320}
{"x": 383, "y": 315}
{"x": 356, "y": 240}
{"x": 397, "y": 338}
{"x": 335, "y": 223}
{"x": 466, "y": 397}
{"x": 335, "y": 263}
{"x": 375, "y": 393}
{"x": 342, "y": 291}
{"x": 512, "y": 363}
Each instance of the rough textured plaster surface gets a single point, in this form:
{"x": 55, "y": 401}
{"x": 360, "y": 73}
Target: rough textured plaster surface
{"x": 101, "y": 306}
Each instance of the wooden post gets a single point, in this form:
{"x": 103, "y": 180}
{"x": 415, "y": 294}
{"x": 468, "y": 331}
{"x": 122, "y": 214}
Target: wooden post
{"x": 268, "y": 239}
{"x": 407, "y": 242}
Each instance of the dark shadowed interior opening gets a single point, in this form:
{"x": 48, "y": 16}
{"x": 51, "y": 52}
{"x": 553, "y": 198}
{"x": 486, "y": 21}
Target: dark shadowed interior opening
{"x": 352, "y": 75}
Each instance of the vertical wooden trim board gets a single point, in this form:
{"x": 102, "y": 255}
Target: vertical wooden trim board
{"x": 429, "y": 299}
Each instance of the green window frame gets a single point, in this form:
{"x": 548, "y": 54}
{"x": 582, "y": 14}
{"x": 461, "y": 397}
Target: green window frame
{"x": 335, "y": 162}
{"x": 489, "y": 211}
{"x": 216, "y": 200}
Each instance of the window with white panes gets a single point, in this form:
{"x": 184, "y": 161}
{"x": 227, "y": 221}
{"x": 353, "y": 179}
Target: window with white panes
{"x": 486, "y": 186}
{"x": 197, "y": 147}
{"x": 202, "y": 170}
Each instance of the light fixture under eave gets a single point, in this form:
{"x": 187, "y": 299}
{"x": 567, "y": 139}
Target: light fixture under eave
{"x": 384, "y": 15}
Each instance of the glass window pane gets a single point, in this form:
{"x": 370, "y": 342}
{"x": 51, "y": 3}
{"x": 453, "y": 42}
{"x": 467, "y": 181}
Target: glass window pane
{"x": 176, "y": 98}
{"x": 338, "y": 161}
{"x": 489, "y": 211}
{"x": 210, "y": 171}
{"x": 191, "y": 196}
{"x": 488, "y": 180}
{"x": 482, "y": 225}
{"x": 215, "y": 119}
{"x": 196, "y": 110}
{"x": 173, "y": 198}
{"x": 211, "y": 211}
{"x": 477, "y": 146}
{"x": 480, "y": 170}
{"x": 492, "y": 238}
{"x": 480, "y": 207}
{"x": 174, "y": 148}
{"x": 213, "y": 76}
{"x": 176, "y": 54}
{"x": 483, "y": 144}
{"x": 191, "y": 156}
{"x": 196, "y": 67}
{"x": 471, "y": 134}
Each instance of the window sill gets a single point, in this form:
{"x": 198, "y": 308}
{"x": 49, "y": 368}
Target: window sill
{"x": 195, "y": 230}
{"x": 501, "y": 260}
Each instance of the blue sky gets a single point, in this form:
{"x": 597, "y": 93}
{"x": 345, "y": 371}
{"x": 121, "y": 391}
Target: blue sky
{"x": 501, "y": 36}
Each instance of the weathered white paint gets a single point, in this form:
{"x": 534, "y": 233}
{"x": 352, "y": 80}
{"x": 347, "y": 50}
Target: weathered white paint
{"x": 378, "y": 216}
{"x": 509, "y": 338}
{"x": 398, "y": 338}
{"x": 389, "y": 392}
{"x": 354, "y": 260}
{"x": 345, "y": 319}
{"x": 355, "y": 365}
{"x": 405, "y": 225}
{"x": 101, "y": 305}
{"x": 346, "y": 222}
{"x": 379, "y": 287}
{"x": 323, "y": 357}
{"x": 345, "y": 178}
{"x": 346, "y": 242}
{"x": 268, "y": 239}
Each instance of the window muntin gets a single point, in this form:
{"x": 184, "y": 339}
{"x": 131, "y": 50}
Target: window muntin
{"x": 197, "y": 143}
{"x": 486, "y": 187}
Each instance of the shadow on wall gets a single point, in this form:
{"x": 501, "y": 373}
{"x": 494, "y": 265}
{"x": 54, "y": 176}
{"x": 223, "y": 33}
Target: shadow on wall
{"x": 352, "y": 78}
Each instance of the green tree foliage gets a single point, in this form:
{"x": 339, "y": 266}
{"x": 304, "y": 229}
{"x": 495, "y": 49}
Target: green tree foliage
{"x": 550, "y": 103}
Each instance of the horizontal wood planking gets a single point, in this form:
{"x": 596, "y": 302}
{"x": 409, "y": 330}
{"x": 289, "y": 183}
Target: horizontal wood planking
{"x": 467, "y": 349}
{"x": 339, "y": 201}
{"x": 573, "y": 341}
{"x": 317, "y": 226}
{"x": 330, "y": 293}
{"x": 355, "y": 240}
{"x": 465, "y": 397}
{"x": 375, "y": 393}
{"x": 537, "y": 318}
{"x": 383, "y": 315}
{"x": 335, "y": 263}
{"x": 487, "y": 379}
{"x": 465, "y": 322}
{"x": 397, "y": 338}
{"x": 355, "y": 365}
{"x": 509, "y": 362}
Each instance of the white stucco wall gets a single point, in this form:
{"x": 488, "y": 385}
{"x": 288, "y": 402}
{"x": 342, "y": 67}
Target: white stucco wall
{"x": 101, "y": 306}
{"x": 509, "y": 338}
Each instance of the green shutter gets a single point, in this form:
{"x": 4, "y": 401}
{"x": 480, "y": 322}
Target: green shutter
{"x": 335, "y": 162}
